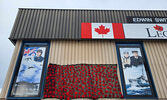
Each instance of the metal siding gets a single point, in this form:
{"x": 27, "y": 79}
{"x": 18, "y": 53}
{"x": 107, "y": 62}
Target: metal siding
{"x": 98, "y": 52}
{"x": 66, "y": 23}
{"x": 30, "y": 24}
{"x": 20, "y": 25}
{"x": 40, "y": 23}
{"x": 54, "y": 25}
{"x": 16, "y": 23}
{"x": 104, "y": 52}
{"x": 34, "y": 25}
{"x": 67, "y": 15}
{"x": 46, "y": 32}
{"x": 51, "y": 23}
{"x": 26, "y": 24}
{"x": 90, "y": 52}
{"x": 157, "y": 57}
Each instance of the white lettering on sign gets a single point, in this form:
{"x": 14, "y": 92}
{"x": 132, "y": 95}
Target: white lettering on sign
{"x": 160, "y": 19}
{"x": 142, "y": 20}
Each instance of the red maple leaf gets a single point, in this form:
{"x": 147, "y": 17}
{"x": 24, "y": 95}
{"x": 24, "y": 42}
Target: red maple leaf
{"x": 102, "y": 30}
{"x": 159, "y": 28}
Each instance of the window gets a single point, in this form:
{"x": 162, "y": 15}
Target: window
{"x": 134, "y": 69}
{"x": 28, "y": 75}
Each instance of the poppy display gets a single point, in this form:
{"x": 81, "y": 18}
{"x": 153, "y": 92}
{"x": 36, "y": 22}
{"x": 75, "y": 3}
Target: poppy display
{"x": 82, "y": 81}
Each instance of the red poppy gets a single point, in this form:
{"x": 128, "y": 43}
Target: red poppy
{"x": 114, "y": 67}
{"x": 117, "y": 96}
{"x": 61, "y": 97}
{"x": 110, "y": 92}
{"x": 64, "y": 86}
{"x": 85, "y": 92}
{"x": 68, "y": 98}
{"x": 113, "y": 96}
{"x": 106, "y": 79}
{"x": 83, "y": 87}
{"x": 45, "y": 96}
{"x": 159, "y": 28}
{"x": 106, "y": 91}
{"x": 83, "y": 96}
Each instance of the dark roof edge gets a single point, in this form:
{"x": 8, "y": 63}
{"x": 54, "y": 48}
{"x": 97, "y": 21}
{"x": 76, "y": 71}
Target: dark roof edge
{"x": 13, "y": 41}
{"x": 89, "y": 9}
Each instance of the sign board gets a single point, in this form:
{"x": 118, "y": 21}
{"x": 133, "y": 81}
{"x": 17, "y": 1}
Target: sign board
{"x": 145, "y": 31}
{"x": 123, "y": 31}
{"x": 146, "y": 19}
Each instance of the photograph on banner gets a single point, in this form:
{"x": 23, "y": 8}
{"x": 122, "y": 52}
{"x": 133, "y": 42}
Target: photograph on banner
{"x": 135, "y": 76}
{"x": 28, "y": 79}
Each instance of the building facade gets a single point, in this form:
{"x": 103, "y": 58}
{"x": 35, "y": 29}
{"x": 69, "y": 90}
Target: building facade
{"x": 92, "y": 54}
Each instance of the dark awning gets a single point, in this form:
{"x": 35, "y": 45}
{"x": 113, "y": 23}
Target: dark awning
{"x": 49, "y": 24}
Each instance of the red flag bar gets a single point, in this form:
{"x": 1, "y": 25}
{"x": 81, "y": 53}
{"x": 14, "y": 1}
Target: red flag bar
{"x": 118, "y": 31}
{"x": 86, "y": 31}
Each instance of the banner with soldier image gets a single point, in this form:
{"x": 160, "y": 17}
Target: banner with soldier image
{"x": 134, "y": 71}
{"x": 28, "y": 79}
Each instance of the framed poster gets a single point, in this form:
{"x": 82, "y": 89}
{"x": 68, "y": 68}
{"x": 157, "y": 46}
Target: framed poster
{"x": 134, "y": 70}
{"x": 28, "y": 76}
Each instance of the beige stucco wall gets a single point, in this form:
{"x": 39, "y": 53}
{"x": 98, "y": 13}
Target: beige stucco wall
{"x": 100, "y": 52}
{"x": 90, "y": 52}
{"x": 156, "y": 52}
{"x": 10, "y": 70}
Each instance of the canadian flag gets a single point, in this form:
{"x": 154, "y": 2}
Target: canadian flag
{"x": 102, "y": 30}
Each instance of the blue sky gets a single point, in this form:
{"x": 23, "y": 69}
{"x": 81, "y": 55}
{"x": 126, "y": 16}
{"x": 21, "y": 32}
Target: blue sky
{"x": 9, "y": 8}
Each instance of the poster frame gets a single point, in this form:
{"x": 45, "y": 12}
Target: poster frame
{"x": 146, "y": 64}
{"x": 17, "y": 66}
